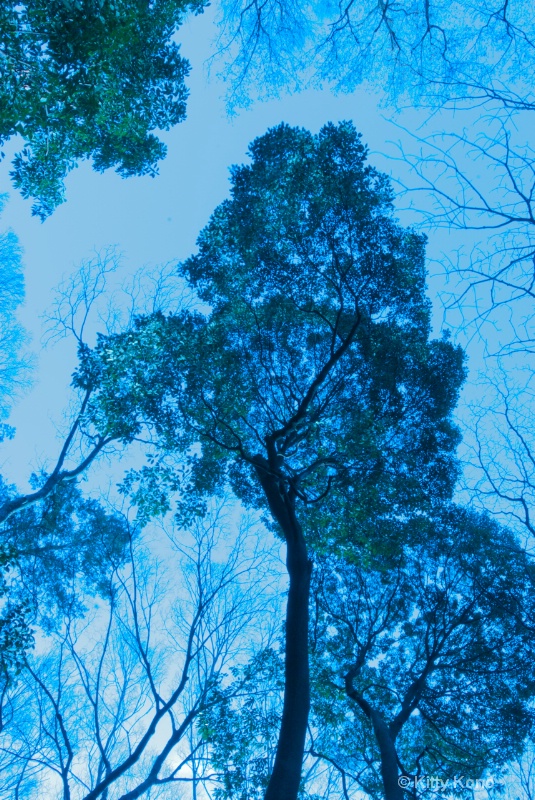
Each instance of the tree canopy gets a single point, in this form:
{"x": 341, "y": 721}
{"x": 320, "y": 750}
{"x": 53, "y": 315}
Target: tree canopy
{"x": 52, "y": 553}
{"x": 310, "y": 384}
{"x": 314, "y": 348}
{"x": 300, "y": 373}
{"x": 421, "y": 670}
{"x": 88, "y": 80}
{"x": 427, "y": 52}
{"x": 431, "y": 651}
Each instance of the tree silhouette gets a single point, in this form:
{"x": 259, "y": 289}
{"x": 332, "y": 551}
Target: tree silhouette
{"x": 310, "y": 384}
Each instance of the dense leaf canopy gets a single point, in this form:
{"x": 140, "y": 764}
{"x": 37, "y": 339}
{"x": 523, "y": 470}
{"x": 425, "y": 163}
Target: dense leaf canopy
{"x": 312, "y": 359}
{"x": 89, "y": 79}
{"x": 307, "y": 382}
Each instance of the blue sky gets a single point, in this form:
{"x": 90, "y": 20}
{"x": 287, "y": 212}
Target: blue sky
{"x": 150, "y": 220}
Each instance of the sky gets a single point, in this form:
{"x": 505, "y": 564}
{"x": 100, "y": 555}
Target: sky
{"x": 156, "y": 221}
{"x": 150, "y": 220}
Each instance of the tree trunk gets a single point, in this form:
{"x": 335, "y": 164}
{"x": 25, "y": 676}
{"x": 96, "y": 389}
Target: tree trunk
{"x": 286, "y": 776}
{"x": 389, "y": 759}
{"x": 386, "y": 739}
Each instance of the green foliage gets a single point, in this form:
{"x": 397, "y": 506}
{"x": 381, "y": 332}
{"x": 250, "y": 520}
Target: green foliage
{"x": 310, "y": 384}
{"x": 150, "y": 489}
{"x": 88, "y": 79}
{"x": 15, "y": 634}
{"x": 440, "y": 641}
{"x": 52, "y": 554}
{"x": 314, "y": 353}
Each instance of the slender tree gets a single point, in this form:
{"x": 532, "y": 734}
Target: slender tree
{"x": 78, "y": 303}
{"x": 53, "y": 539}
{"x": 309, "y": 383}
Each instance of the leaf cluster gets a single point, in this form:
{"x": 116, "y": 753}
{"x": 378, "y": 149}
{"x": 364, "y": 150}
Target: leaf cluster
{"x": 53, "y": 553}
{"x": 86, "y": 79}
{"x": 313, "y": 352}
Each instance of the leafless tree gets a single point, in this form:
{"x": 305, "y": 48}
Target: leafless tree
{"x": 480, "y": 185}
{"x": 110, "y": 707}
{"x": 101, "y": 297}
{"x": 478, "y": 189}
{"x": 500, "y": 450}
{"x": 430, "y": 52}
{"x": 520, "y": 782}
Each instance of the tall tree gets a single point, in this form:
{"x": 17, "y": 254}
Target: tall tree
{"x": 91, "y": 79}
{"x": 309, "y": 384}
